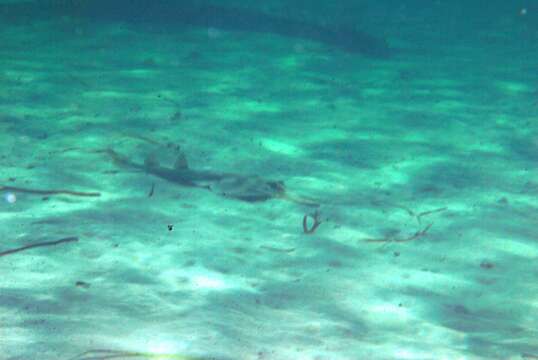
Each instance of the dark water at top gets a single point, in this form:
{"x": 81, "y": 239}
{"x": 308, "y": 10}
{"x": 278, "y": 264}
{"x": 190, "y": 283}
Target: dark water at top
{"x": 291, "y": 180}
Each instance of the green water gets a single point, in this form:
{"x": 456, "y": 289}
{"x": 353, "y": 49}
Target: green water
{"x": 162, "y": 165}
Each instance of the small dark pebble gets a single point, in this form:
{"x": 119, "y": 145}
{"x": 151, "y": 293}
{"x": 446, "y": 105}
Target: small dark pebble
{"x": 487, "y": 265}
{"x": 170, "y": 227}
{"x": 189, "y": 263}
{"x": 82, "y": 284}
{"x": 176, "y": 116}
{"x": 149, "y": 62}
{"x": 173, "y": 146}
{"x": 459, "y": 309}
{"x": 239, "y": 250}
{"x": 335, "y": 263}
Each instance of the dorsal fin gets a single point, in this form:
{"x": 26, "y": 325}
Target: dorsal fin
{"x": 181, "y": 162}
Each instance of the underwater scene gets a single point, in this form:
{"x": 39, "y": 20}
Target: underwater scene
{"x": 276, "y": 180}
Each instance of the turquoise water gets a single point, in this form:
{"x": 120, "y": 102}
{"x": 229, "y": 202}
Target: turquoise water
{"x": 298, "y": 180}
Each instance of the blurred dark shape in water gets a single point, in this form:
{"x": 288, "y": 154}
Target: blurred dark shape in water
{"x": 198, "y": 14}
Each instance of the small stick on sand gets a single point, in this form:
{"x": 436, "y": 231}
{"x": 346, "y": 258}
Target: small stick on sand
{"x": 424, "y": 213}
{"x": 274, "y": 249}
{"x": 46, "y": 243}
{"x": 317, "y": 222}
{"x": 103, "y": 354}
{"x": 151, "y": 190}
{"x": 49, "y": 192}
{"x": 529, "y": 356}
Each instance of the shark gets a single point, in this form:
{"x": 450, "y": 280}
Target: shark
{"x": 248, "y": 188}
{"x": 174, "y": 15}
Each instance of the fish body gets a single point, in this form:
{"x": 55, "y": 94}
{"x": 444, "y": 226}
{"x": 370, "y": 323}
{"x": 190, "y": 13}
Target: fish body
{"x": 250, "y": 188}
